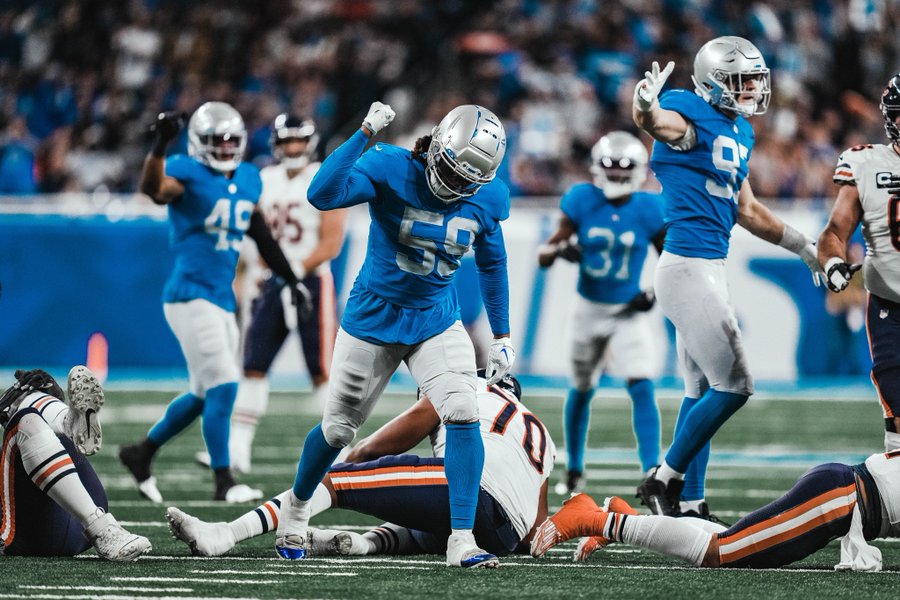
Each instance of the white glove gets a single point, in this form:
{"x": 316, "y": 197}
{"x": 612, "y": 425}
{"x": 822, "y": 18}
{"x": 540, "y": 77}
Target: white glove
{"x": 500, "y": 360}
{"x": 379, "y": 116}
{"x": 646, "y": 92}
{"x": 810, "y": 257}
{"x": 839, "y": 273}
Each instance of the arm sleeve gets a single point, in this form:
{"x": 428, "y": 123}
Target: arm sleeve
{"x": 490, "y": 259}
{"x": 269, "y": 249}
{"x": 337, "y": 184}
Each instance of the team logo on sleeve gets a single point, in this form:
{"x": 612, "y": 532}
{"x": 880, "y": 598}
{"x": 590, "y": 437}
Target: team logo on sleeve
{"x": 886, "y": 179}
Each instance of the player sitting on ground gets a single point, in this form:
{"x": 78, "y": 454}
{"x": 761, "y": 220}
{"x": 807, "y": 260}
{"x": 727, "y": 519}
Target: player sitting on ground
{"x": 859, "y": 503}
{"x": 43, "y": 511}
{"x": 519, "y": 455}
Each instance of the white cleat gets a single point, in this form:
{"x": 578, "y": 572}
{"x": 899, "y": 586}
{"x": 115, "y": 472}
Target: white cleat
{"x": 240, "y": 466}
{"x": 293, "y": 546}
{"x": 204, "y": 539}
{"x": 241, "y": 493}
{"x": 112, "y": 541}
{"x": 462, "y": 551}
{"x": 292, "y": 535}
{"x": 85, "y": 400}
{"x": 332, "y": 542}
{"x": 148, "y": 490}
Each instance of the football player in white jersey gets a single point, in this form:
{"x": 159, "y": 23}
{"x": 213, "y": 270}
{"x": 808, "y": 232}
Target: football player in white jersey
{"x": 868, "y": 176}
{"x": 410, "y": 492}
{"x": 858, "y": 503}
{"x": 309, "y": 239}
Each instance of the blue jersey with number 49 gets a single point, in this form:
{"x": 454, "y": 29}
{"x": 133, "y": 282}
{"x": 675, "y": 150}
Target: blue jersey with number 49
{"x": 404, "y": 293}
{"x": 207, "y": 224}
{"x": 614, "y": 239}
{"x": 701, "y": 185}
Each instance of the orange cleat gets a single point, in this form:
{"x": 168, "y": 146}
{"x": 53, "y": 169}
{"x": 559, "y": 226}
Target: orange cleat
{"x": 579, "y": 516}
{"x": 589, "y": 545}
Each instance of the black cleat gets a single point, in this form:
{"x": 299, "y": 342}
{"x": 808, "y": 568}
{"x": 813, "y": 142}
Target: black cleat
{"x": 704, "y": 514}
{"x": 573, "y": 484}
{"x": 660, "y": 498}
{"x": 137, "y": 458}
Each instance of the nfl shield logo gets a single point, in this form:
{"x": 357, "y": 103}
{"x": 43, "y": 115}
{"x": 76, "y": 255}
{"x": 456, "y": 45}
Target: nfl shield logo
{"x": 883, "y": 314}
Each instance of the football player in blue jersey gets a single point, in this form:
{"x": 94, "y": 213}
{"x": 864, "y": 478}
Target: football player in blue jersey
{"x": 428, "y": 206}
{"x": 614, "y": 225}
{"x": 211, "y": 196}
{"x": 701, "y": 154}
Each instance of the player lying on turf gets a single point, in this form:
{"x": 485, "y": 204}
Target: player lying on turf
{"x": 44, "y": 511}
{"x": 858, "y": 503}
{"x": 411, "y": 491}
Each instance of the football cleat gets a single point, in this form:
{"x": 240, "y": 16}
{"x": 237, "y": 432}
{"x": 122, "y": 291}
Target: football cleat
{"x": 237, "y": 464}
{"x": 112, "y": 541}
{"x": 573, "y": 484}
{"x": 137, "y": 460}
{"x": 660, "y": 498}
{"x": 204, "y": 539}
{"x": 703, "y": 513}
{"x": 238, "y": 493}
{"x": 462, "y": 551}
{"x": 331, "y": 542}
{"x": 292, "y": 546}
{"x": 579, "y": 517}
{"x": 589, "y": 545}
{"x": 85, "y": 401}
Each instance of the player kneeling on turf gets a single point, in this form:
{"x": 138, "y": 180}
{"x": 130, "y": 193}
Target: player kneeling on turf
{"x": 411, "y": 491}
{"x": 52, "y": 501}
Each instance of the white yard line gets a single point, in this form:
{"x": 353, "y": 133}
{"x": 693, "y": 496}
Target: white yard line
{"x": 102, "y": 588}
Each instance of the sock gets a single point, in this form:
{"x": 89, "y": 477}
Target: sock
{"x": 577, "y": 418}
{"x": 217, "y": 423}
{"x": 891, "y": 441}
{"x": 645, "y": 420}
{"x": 294, "y": 516}
{"x": 251, "y": 404}
{"x": 463, "y": 462}
{"x": 320, "y": 501}
{"x": 391, "y": 539}
{"x": 672, "y": 537}
{"x": 315, "y": 460}
{"x": 691, "y": 505}
{"x": 700, "y": 424}
{"x": 665, "y": 473}
{"x": 52, "y": 409}
{"x": 260, "y": 520}
{"x": 51, "y": 468}
{"x": 180, "y": 413}
{"x": 695, "y": 475}
{"x": 707, "y": 526}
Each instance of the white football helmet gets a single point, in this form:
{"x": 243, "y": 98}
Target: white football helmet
{"x": 291, "y": 127}
{"x": 217, "y": 136}
{"x": 466, "y": 148}
{"x": 619, "y": 164}
{"x": 727, "y": 66}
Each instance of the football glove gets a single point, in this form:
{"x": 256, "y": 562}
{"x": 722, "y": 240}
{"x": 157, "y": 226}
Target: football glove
{"x": 165, "y": 128}
{"x": 379, "y": 116}
{"x": 839, "y": 273}
{"x": 570, "y": 251}
{"x": 809, "y": 256}
{"x": 302, "y": 299}
{"x": 500, "y": 360}
{"x": 646, "y": 92}
{"x": 642, "y": 302}
{"x": 38, "y": 380}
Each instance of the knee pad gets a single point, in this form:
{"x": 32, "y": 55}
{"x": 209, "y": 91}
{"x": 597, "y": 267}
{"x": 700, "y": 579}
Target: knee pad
{"x": 337, "y": 434}
{"x": 458, "y": 407}
{"x": 582, "y": 375}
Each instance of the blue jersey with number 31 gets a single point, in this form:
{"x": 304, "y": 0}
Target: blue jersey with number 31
{"x": 614, "y": 240}
{"x": 207, "y": 224}
{"x": 701, "y": 185}
{"x": 404, "y": 293}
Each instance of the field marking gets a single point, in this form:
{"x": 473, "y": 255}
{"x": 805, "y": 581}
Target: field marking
{"x": 196, "y": 580}
{"x": 117, "y": 597}
{"x": 101, "y": 588}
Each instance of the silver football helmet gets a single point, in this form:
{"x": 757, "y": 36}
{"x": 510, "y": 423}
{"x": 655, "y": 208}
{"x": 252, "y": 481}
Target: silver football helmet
{"x": 217, "y": 136}
{"x": 466, "y": 148}
{"x": 291, "y": 127}
{"x": 619, "y": 164}
{"x": 728, "y": 68}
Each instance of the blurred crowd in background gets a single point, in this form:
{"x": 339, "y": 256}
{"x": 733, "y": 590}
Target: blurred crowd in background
{"x": 80, "y": 80}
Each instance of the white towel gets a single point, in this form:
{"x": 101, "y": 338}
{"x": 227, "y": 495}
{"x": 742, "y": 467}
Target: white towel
{"x": 856, "y": 553}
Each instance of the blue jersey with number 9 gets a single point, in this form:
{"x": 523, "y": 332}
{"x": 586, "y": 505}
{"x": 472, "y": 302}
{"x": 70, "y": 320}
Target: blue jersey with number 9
{"x": 207, "y": 224}
{"x": 614, "y": 240}
{"x": 404, "y": 293}
{"x": 701, "y": 185}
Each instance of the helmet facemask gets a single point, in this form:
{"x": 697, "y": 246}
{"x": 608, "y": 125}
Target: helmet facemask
{"x": 449, "y": 179}
{"x": 289, "y": 128}
{"x": 890, "y": 109}
{"x": 217, "y": 137}
{"x": 725, "y": 90}
{"x": 619, "y": 164}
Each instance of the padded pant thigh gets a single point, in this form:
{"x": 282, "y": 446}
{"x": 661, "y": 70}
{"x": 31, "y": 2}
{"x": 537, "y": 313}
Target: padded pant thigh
{"x": 587, "y": 352}
{"x": 208, "y": 336}
{"x": 360, "y": 371}
{"x": 444, "y": 368}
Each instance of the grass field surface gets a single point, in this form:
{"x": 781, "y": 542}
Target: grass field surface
{"x": 756, "y": 457}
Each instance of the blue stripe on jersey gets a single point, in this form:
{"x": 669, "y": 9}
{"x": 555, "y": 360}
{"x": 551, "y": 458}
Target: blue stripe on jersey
{"x": 701, "y": 185}
{"x": 614, "y": 239}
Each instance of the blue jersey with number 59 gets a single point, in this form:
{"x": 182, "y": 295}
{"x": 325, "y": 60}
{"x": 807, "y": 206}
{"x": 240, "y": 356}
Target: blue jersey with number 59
{"x": 207, "y": 224}
{"x": 614, "y": 240}
{"x": 701, "y": 185}
{"x": 404, "y": 293}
